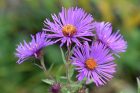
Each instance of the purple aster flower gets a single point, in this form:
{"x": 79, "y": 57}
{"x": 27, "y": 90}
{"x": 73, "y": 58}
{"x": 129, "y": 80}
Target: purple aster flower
{"x": 94, "y": 63}
{"x": 70, "y": 26}
{"x": 114, "y": 41}
{"x": 33, "y": 48}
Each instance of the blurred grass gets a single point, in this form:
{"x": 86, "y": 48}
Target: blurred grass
{"x": 20, "y": 18}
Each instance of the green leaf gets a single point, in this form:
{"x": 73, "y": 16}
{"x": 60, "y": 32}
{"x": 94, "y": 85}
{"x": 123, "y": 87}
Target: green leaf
{"x": 48, "y": 81}
{"x": 71, "y": 71}
{"x": 49, "y": 70}
{"x": 63, "y": 56}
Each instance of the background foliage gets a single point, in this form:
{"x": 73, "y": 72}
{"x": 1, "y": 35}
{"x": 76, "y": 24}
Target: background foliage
{"x": 20, "y": 18}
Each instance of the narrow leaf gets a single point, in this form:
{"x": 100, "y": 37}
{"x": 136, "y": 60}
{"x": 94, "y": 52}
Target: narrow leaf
{"x": 63, "y": 56}
{"x": 49, "y": 70}
{"x": 48, "y": 81}
{"x": 71, "y": 71}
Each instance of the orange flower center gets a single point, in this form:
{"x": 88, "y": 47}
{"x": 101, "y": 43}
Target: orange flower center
{"x": 69, "y": 30}
{"x": 91, "y": 63}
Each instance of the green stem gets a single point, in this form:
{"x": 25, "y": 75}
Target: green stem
{"x": 44, "y": 68}
{"x": 67, "y": 64}
{"x": 67, "y": 72}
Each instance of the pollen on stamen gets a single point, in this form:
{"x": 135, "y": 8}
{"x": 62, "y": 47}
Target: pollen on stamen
{"x": 69, "y": 30}
{"x": 91, "y": 63}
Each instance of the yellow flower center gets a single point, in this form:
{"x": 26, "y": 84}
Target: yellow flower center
{"x": 69, "y": 30}
{"x": 91, "y": 63}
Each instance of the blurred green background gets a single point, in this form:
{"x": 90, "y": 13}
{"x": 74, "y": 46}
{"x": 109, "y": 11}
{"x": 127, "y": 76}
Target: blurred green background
{"x": 20, "y": 18}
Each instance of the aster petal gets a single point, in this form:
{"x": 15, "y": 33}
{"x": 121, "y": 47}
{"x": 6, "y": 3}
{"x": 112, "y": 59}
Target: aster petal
{"x": 81, "y": 76}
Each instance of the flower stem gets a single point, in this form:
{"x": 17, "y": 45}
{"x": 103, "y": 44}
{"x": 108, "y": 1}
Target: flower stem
{"x": 68, "y": 64}
{"x": 67, "y": 72}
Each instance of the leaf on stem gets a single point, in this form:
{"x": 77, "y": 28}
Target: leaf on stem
{"x": 71, "y": 71}
{"x": 63, "y": 56}
{"x": 49, "y": 70}
{"x": 48, "y": 81}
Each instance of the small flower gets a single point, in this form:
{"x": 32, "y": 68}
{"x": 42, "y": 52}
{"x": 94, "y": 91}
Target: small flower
{"x": 33, "y": 48}
{"x": 55, "y": 88}
{"x": 113, "y": 41}
{"x": 94, "y": 63}
{"x": 72, "y": 25}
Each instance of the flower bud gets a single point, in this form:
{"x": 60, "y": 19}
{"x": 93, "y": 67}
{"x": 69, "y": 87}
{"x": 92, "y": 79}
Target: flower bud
{"x": 55, "y": 88}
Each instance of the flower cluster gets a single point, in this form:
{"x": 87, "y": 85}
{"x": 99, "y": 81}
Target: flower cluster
{"x": 93, "y": 59}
